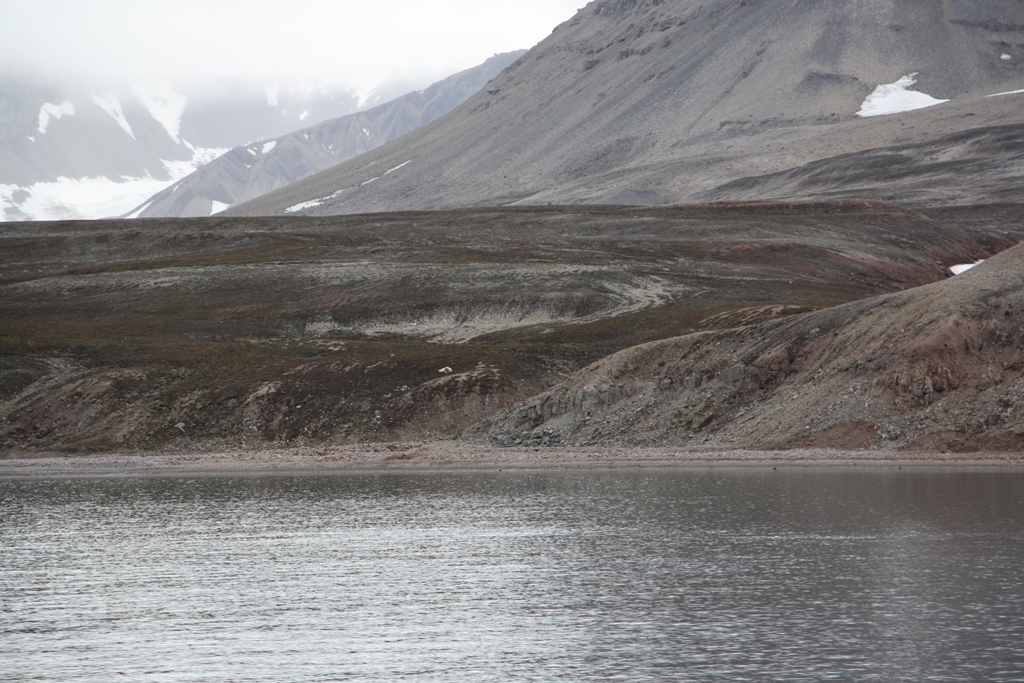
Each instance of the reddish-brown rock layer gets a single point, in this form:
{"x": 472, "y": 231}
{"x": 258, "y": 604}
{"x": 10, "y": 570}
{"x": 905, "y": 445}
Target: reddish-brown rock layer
{"x": 936, "y": 368}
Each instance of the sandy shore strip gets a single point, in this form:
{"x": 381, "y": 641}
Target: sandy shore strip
{"x": 412, "y": 457}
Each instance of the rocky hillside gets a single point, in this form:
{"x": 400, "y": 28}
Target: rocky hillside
{"x": 252, "y": 170}
{"x": 229, "y": 333}
{"x": 667, "y": 101}
{"x": 935, "y": 368}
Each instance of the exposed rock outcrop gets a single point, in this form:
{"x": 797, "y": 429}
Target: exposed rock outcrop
{"x": 938, "y": 367}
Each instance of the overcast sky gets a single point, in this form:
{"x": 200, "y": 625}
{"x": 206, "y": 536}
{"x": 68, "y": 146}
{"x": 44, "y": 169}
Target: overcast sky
{"x": 358, "y": 42}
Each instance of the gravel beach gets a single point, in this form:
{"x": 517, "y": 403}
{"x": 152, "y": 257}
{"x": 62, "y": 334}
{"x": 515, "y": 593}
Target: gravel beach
{"x": 439, "y": 456}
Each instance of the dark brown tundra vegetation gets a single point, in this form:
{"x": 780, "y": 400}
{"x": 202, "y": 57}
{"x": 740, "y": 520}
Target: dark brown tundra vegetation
{"x": 560, "y": 324}
{"x": 935, "y": 368}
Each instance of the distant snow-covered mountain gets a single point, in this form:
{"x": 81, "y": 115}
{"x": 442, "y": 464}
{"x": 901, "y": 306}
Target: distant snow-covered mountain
{"x": 251, "y": 170}
{"x": 68, "y": 153}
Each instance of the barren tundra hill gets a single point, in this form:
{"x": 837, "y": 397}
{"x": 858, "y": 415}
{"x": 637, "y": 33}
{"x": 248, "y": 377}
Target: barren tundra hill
{"x": 666, "y": 101}
{"x": 254, "y": 169}
{"x": 934, "y": 368}
{"x": 240, "y": 333}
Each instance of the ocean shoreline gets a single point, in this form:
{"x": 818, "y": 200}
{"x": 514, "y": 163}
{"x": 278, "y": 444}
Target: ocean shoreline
{"x": 448, "y": 457}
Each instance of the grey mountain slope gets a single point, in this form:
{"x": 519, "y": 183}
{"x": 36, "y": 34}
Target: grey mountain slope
{"x": 92, "y": 150}
{"x": 91, "y": 143}
{"x": 646, "y": 101}
{"x": 248, "y": 172}
{"x": 87, "y": 143}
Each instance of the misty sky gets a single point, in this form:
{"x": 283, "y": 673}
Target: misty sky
{"x": 358, "y": 42}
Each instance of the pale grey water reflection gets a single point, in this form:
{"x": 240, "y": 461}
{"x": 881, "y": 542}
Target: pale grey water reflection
{"x": 651, "y": 575}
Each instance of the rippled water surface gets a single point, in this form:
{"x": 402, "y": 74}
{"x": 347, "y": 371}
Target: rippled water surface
{"x": 651, "y": 575}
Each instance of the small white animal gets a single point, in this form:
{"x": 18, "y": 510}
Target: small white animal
{"x": 446, "y": 371}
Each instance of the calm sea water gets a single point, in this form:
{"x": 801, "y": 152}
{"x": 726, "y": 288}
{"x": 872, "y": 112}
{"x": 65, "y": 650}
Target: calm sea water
{"x": 651, "y": 575}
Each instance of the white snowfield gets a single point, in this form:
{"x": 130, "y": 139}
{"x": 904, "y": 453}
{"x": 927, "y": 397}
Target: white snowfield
{"x": 896, "y": 98}
{"x": 112, "y": 105}
{"x": 267, "y": 146}
{"x": 217, "y": 207}
{"x": 53, "y": 111}
{"x": 302, "y": 206}
{"x": 203, "y": 155}
{"x": 164, "y": 105}
{"x": 964, "y": 267}
{"x": 77, "y": 198}
{"x": 91, "y": 198}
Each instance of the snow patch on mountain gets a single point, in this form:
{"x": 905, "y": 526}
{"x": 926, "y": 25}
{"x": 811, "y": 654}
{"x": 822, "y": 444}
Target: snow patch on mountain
{"x": 164, "y": 105}
{"x": 304, "y": 205}
{"x": 363, "y": 97}
{"x": 203, "y": 155}
{"x": 301, "y": 206}
{"x": 112, "y": 105}
{"x": 392, "y": 170}
{"x": 217, "y": 207}
{"x": 54, "y": 111}
{"x": 964, "y": 267}
{"x": 895, "y": 98}
{"x": 1008, "y": 92}
{"x": 268, "y": 146}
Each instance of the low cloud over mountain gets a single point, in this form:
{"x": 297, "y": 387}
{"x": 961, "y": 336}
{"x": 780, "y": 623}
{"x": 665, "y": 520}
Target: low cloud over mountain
{"x": 248, "y": 171}
{"x": 74, "y": 153}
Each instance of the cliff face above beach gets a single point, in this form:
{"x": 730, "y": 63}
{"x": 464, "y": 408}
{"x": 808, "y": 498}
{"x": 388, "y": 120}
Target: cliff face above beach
{"x": 934, "y": 368}
{"x": 214, "y": 333}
